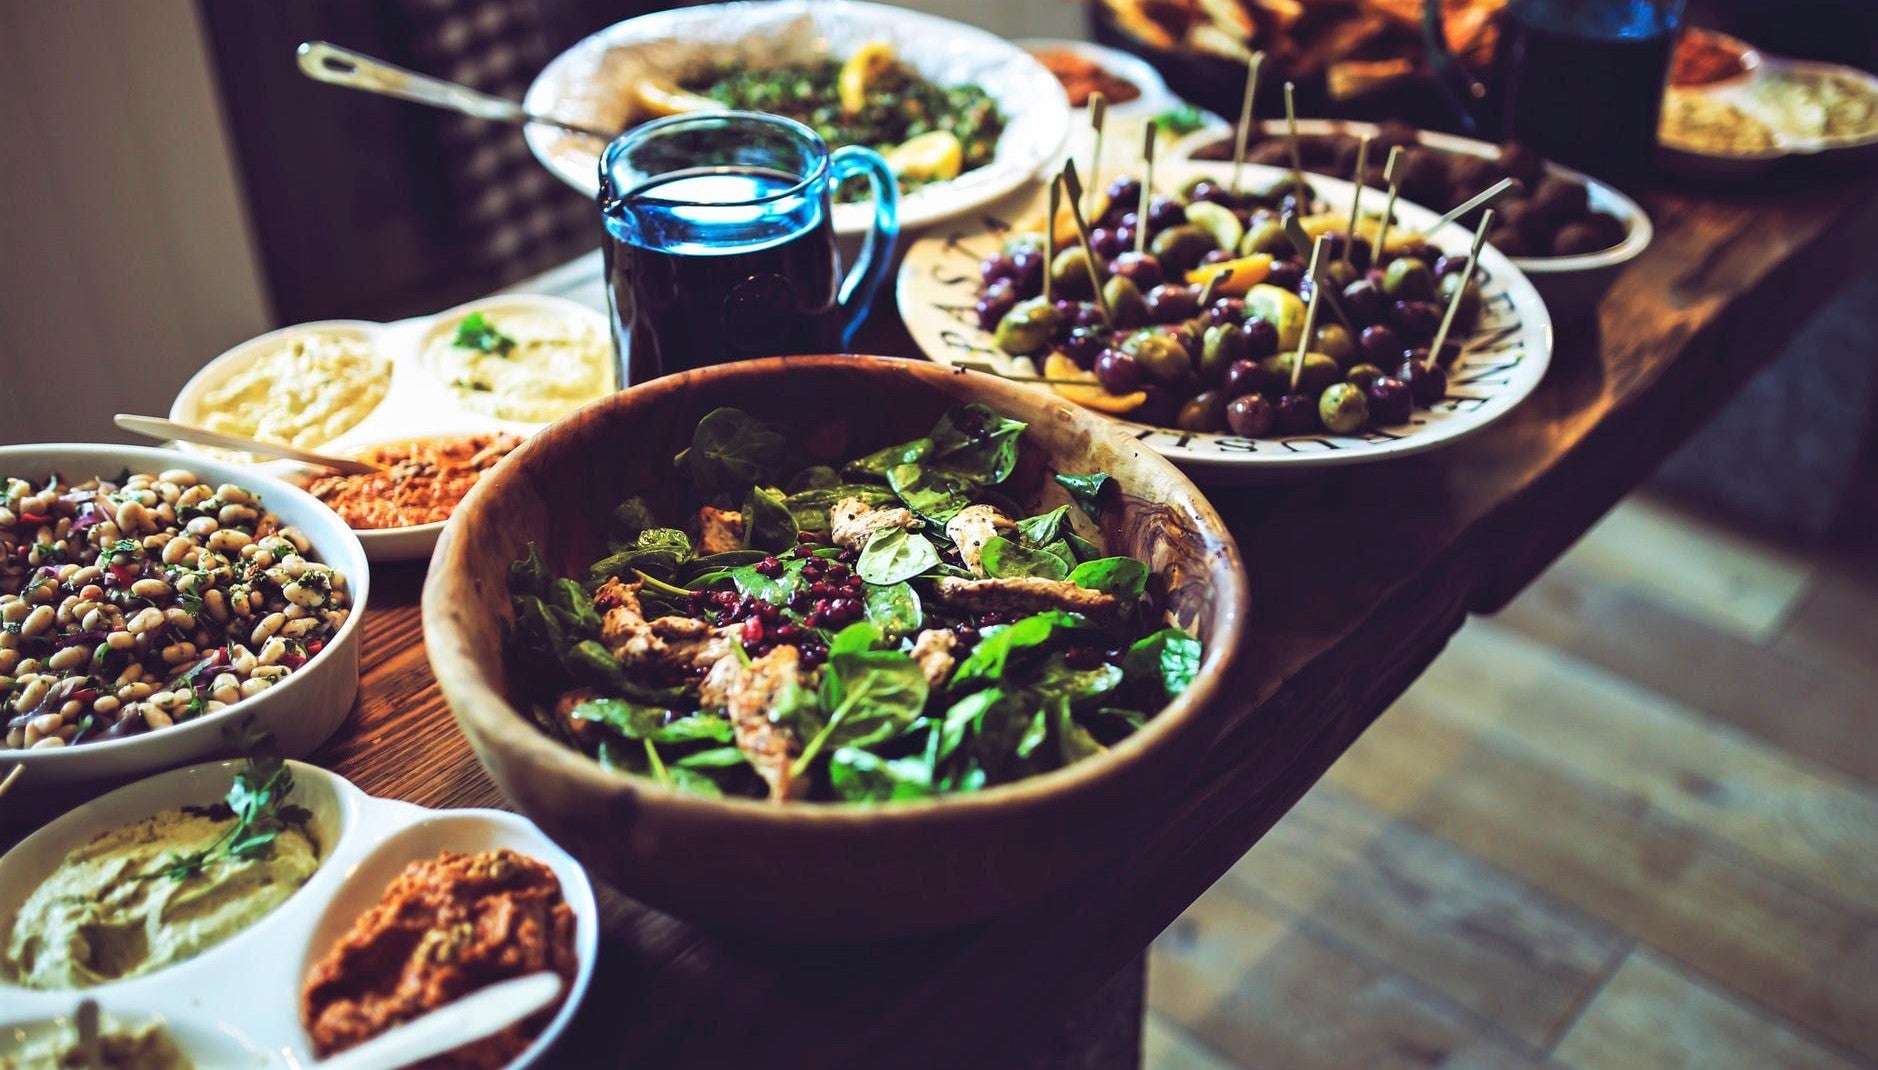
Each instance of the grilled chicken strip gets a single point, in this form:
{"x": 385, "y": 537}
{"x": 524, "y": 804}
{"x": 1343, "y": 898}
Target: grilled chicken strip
{"x": 669, "y": 643}
{"x": 719, "y": 530}
{"x": 932, "y": 651}
{"x": 852, "y": 522}
{"x": 751, "y": 693}
{"x": 1023, "y": 595}
{"x": 974, "y": 526}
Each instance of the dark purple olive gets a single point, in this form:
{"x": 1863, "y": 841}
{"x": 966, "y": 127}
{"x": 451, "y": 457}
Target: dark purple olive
{"x": 1183, "y": 333}
{"x": 1381, "y": 344}
{"x": 1415, "y": 321}
{"x": 1297, "y": 414}
{"x": 1363, "y": 302}
{"x": 1104, "y": 243}
{"x": 1159, "y": 409}
{"x": 1226, "y": 310}
{"x": 1205, "y": 411}
{"x": 1451, "y": 265}
{"x": 1084, "y": 344}
{"x": 1450, "y": 352}
{"x": 1171, "y": 303}
{"x": 1427, "y": 254}
{"x": 1088, "y": 314}
{"x": 1261, "y": 337}
{"x": 1428, "y": 383}
{"x": 1124, "y": 193}
{"x": 1125, "y": 236}
{"x": 1250, "y": 415}
{"x": 1249, "y": 377}
{"x": 997, "y": 300}
{"x": 1390, "y": 401}
{"x": 1205, "y": 189}
{"x": 1030, "y": 267}
{"x": 1164, "y": 212}
{"x": 1216, "y": 256}
{"x": 1118, "y": 372}
{"x": 996, "y": 269}
{"x": 1066, "y": 308}
{"x": 1142, "y": 269}
{"x": 1286, "y": 274}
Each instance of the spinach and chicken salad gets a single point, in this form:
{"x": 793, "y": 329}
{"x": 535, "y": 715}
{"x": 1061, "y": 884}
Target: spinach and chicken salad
{"x": 892, "y": 627}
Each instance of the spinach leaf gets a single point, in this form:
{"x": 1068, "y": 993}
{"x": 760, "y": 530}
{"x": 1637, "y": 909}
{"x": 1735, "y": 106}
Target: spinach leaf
{"x": 894, "y": 608}
{"x": 714, "y": 758}
{"x": 861, "y": 776}
{"x": 976, "y": 443}
{"x": 1035, "y": 732}
{"x": 530, "y": 574}
{"x": 629, "y": 518}
{"x": 856, "y": 637}
{"x": 776, "y": 590}
{"x": 1169, "y": 657}
{"x": 811, "y": 507}
{"x": 712, "y": 569}
{"x": 880, "y": 462}
{"x": 996, "y": 645}
{"x": 1045, "y": 527}
{"x": 1082, "y": 548}
{"x": 933, "y": 493}
{"x": 814, "y": 477}
{"x": 1056, "y": 678}
{"x": 576, "y": 608}
{"x": 670, "y": 540}
{"x": 1086, "y": 491}
{"x": 1123, "y": 577}
{"x": 1003, "y": 558}
{"x": 893, "y": 555}
{"x": 1073, "y": 740}
{"x": 730, "y": 451}
{"x": 767, "y": 522}
{"x": 692, "y": 781}
{"x": 640, "y": 721}
{"x": 870, "y": 696}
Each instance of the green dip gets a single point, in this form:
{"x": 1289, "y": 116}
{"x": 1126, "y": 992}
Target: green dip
{"x": 144, "y": 1047}
{"x": 110, "y": 911}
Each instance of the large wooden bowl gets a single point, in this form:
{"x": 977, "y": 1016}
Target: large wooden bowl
{"x": 824, "y": 871}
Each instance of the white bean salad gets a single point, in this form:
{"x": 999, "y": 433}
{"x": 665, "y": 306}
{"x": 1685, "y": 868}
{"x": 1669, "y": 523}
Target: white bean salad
{"x": 132, "y": 604}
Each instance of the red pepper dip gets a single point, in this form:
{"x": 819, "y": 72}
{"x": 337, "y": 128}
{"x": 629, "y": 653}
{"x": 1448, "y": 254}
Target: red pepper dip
{"x": 1082, "y": 77}
{"x": 422, "y": 482}
{"x": 445, "y": 928}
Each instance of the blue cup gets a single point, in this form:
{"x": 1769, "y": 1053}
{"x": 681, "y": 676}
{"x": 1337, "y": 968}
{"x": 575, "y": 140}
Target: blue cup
{"x": 720, "y": 241}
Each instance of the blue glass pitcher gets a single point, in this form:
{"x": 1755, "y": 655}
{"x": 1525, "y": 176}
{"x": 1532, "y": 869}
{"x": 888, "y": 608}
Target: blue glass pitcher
{"x": 720, "y": 241}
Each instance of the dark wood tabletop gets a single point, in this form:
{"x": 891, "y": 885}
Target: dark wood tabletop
{"x": 1360, "y": 575}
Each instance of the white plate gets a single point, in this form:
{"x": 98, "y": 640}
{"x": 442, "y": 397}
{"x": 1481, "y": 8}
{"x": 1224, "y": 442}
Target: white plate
{"x": 238, "y": 1003}
{"x": 1500, "y": 364}
{"x": 418, "y": 403}
{"x": 1742, "y": 92}
{"x": 587, "y": 83}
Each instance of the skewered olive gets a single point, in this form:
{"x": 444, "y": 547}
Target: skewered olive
{"x": 997, "y": 300}
{"x": 1180, "y": 247}
{"x": 1284, "y": 310}
{"x": 996, "y": 269}
{"x": 1165, "y": 212}
{"x": 1029, "y": 263}
{"x": 1297, "y": 414}
{"x": 1390, "y": 401}
{"x": 1221, "y": 347}
{"x": 1381, "y": 344}
{"x": 1364, "y": 302}
{"x": 1118, "y": 372}
{"x": 1342, "y": 408}
{"x": 1415, "y": 321}
{"x": 1083, "y": 345}
{"x": 1028, "y": 327}
{"x": 1408, "y": 279}
{"x": 1363, "y": 376}
{"x": 1285, "y": 274}
{"x": 1265, "y": 237}
{"x": 1468, "y": 313}
{"x": 1142, "y": 269}
{"x": 1069, "y": 274}
{"x": 1250, "y": 415}
{"x": 1205, "y": 411}
{"x": 1261, "y": 337}
{"x": 1334, "y": 341}
{"x": 1086, "y": 314}
{"x": 1427, "y": 383}
{"x": 1125, "y": 303}
{"x": 1124, "y": 195}
{"x": 1162, "y": 357}
{"x": 1250, "y": 377}
{"x": 1319, "y": 371}
{"x": 1170, "y": 302}
{"x": 1205, "y": 189}
{"x": 1105, "y": 242}
{"x": 1340, "y": 273}
{"x": 1451, "y": 265}
{"x": 1226, "y": 310}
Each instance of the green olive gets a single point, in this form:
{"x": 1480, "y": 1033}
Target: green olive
{"x": 1205, "y": 411}
{"x": 1126, "y": 308}
{"x": 1180, "y": 248}
{"x": 1222, "y": 344}
{"x": 1267, "y": 237}
{"x": 1164, "y": 359}
{"x": 1319, "y": 371}
{"x": 1341, "y": 273}
{"x": 1334, "y": 341}
{"x": 1028, "y": 326}
{"x": 1069, "y": 273}
{"x": 1024, "y": 241}
{"x": 1363, "y": 375}
{"x": 1343, "y": 408}
{"x": 1469, "y": 313}
{"x": 1408, "y": 279}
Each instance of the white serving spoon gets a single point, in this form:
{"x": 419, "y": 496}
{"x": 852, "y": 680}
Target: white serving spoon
{"x": 164, "y": 430}
{"x": 480, "y": 1014}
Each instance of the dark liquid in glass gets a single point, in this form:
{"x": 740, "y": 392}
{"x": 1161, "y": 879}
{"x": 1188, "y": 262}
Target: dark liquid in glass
{"x": 1581, "y": 81}
{"x": 680, "y": 304}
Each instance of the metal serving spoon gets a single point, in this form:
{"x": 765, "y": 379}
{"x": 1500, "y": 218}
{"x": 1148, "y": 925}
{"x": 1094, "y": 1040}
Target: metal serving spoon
{"x": 164, "y": 430}
{"x": 324, "y": 62}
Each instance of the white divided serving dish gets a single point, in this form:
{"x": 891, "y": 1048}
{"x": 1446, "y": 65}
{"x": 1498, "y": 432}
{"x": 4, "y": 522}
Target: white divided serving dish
{"x": 237, "y": 1005}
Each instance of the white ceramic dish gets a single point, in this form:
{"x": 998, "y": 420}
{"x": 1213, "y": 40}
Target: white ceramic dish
{"x": 1743, "y": 93}
{"x": 237, "y": 1005}
{"x": 418, "y": 403}
{"x": 588, "y": 82}
{"x": 1155, "y": 97}
{"x": 1501, "y": 363}
{"x": 1571, "y": 285}
{"x": 300, "y": 711}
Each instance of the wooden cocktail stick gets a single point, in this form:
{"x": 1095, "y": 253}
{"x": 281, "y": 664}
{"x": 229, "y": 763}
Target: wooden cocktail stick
{"x": 1297, "y": 155}
{"x": 1073, "y": 187}
{"x": 1487, "y": 196}
{"x": 1392, "y": 174}
{"x": 1213, "y": 283}
{"x": 1098, "y": 117}
{"x": 1467, "y": 276}
{"x": 1310, "y": 310}
{"x": 1147, "y": 189}
{"x": 1306, "y": 247}
{"x": 1245, "y": 121}
{"x": 1049, "y": 236}
{"x": 1356, "y": 197}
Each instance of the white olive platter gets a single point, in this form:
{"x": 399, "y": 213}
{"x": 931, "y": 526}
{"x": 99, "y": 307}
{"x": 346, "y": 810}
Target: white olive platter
{"x": 1502, "y": 360}
{"x": 419, "y": 402}
{"x": 237, "y": 1005}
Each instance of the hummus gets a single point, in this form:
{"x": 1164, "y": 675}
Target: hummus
{"x": 144, "y": 1047}
{"x": 307, "y": 391}
{"x": 534, "y": 366}
{"x": 110, "y": 912}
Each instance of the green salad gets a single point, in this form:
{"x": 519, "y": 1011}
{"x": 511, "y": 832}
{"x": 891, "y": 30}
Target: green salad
{"x": 891, "y": 626}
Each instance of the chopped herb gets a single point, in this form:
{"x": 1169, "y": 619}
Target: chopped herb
{"x": 476, "y": 332}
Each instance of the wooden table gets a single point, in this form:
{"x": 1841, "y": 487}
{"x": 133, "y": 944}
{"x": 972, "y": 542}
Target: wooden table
{"x": 1360, "y": 576}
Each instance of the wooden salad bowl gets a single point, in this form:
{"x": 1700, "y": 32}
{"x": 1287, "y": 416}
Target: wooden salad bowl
{"x": 812, "y": 870}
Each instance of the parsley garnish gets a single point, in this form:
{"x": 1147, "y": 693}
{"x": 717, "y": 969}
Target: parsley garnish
{"x": 258, "y": 802}
{"x": 476, "y": 332}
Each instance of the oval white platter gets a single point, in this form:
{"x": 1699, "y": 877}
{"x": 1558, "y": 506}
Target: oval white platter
{"x": 418, "y": 404}
{"x": 237, "y": 1005}
{"x": 1501, "y": 362}
{"x": 587, "y": 83}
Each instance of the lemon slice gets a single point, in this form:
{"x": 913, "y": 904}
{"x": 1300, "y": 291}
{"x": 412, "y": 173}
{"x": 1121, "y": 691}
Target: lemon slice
{"x": 859, "y": 72}
{"x": 1281, "y": 308}
{"x": 1243, "y": 274}
{"x": 1400, "y": 238}
{"x": 933, "y": 156}
{"x": 1217, "y": 220}
{"x": 655, "y": 98}
{"x": 1092, "y": 396}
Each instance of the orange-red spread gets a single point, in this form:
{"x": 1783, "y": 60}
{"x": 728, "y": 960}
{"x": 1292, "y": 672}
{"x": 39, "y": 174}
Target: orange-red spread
{"x": 422, "y": 482}
{"x": 445, "y": 928}
{"x": 1082, "y": 76}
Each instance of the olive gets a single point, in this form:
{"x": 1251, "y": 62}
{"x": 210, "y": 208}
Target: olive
{"x": 1069, "y": 274}
{"x": 1363, "y": 375}
{"x": 1521, "y": 162}
{"x": 1126, "y": 309}
{"x": 1266, "y": 237}
{"x": 1028, "y": 327}
{"x": 1205, "y": 189}
{"x": 1281, "y": 187}
{"x": 1118, "y": 372}
{"x": 1611, "y": 230}
{"x": 1250, "y": 377}
{"x": 1451, "y": 265}
{"x": 1170, "y": 302}
{"x": 1342, "y": 408}
{"x": 1577, "y": 239}
{"x": 1408, "y": 279}
{"x": 1261, "y": 337}
{"x": 1185, "y": 333}
{"x": 1509, "y": 241}
{"x": 997, "y": 300}
{"x": 1083, "y": 345}
{"x": 1297, "y": 414}
{"x": 1334, "y": 341}
{"x": 1217, "y": 256}
{"x": 1422, "y": 251}
{"x": 1381, "y": 344}
{"x": 1105, "y": 242}
{"x": 1286, "y": 274}
{"x": 1029, "y": 277}
{"x": 1221, "y": 347}
{"x": 996, "y": 269}
{"x": 1180, "y": 247}
{"x": 1205, "y": 411}
{"x": 1363, "y": 302}
{"x": 1124, "y": 195}
{"x": 1165, "y": 212}
{"x": 1250, "y": 415}
{"x": 1340, "y": 273}
{"x": 1319, "y": 371}
{"x": 1161, "y": 356}
{"x": 1142, "y": 269}
{"x": 1158, "y": 409}
{"x": 1468, "y": 313}
{"x": 1390, "y": 402}
{"x": 1427, "y": 383}
{"x": 1526, "y": 218}
{"x": 1415, "y": 321}
{"x": 1226, "y": 310}
{"x": 1560, "y": 200}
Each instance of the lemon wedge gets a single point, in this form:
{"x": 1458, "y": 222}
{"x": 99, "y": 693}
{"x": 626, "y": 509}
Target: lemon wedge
{"x": 935, "y": 155}
{"x": 1400, "y": 238}
{"x": 1281, "y": 308}
{"x": 655, "y": 98}
{"x": 859, "y": 72}
{"x": 1092, "y": 396}
{"x": 1219, "y": 221}
{"x": 1243, "y": 274}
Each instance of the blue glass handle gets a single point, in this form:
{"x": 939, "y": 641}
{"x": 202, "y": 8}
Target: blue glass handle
{"x": 864, "y": 278}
